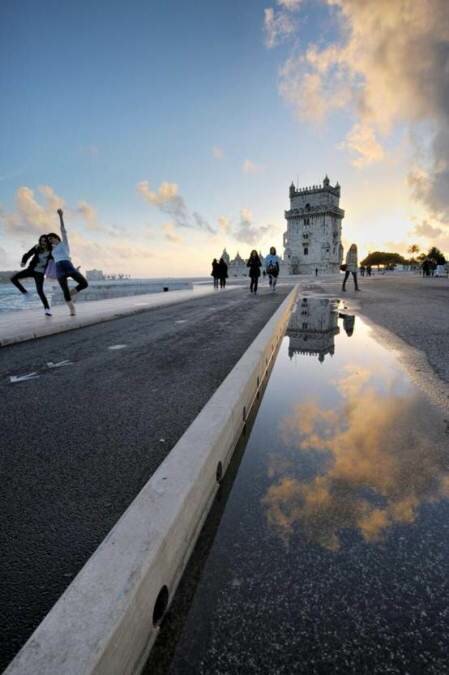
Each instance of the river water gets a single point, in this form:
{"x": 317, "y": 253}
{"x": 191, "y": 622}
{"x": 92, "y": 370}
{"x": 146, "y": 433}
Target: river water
{"x": 330, "y": 550}
{"x": 12, "y": 300}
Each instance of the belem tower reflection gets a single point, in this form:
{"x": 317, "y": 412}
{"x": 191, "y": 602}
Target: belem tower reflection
{"x": 312, "y": 327}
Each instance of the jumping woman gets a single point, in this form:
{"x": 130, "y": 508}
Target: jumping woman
{"x": 40, "y": 255}
{"x": 254, "y": 265}
{"x": 64, "y": 266}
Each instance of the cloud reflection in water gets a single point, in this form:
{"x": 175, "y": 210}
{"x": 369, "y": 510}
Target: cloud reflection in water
{"x": 379, "y": 461}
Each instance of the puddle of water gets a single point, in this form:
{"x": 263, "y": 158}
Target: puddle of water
{"x": 331, "y": 553}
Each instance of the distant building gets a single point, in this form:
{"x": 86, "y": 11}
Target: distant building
{"x": 313, "y": 237}
{"x": 95, "y": 275}
{"x": 312, "y": 328}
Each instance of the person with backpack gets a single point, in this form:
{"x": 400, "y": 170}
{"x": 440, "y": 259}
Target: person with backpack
{"x": 272, "y": 266}
{"x": 40, "y": 255}
{"x": 254, "y": 265}
{"x": 64, "y": 265}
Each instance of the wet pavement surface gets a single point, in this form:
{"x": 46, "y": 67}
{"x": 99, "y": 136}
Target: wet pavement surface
{"x": 329, "y": 552}
{"x": 81, "y": 438}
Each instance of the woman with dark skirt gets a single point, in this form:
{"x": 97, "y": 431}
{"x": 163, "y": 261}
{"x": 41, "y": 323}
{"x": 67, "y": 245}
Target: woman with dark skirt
{"x": 40, "y": 255}
{"x": 64, "y": 265}
{"x": 254, "y": 265}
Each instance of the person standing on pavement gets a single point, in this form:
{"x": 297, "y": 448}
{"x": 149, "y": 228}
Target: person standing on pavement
{"x": 254, "y": 265}
{"x": 222, "y": 273}
{"x": 351, "y": 267}
{"x": 272, "y": 267}
{"x": 64, "y": 266}
{"x": 215, "y": 272}
{"x": 40, "y": 256}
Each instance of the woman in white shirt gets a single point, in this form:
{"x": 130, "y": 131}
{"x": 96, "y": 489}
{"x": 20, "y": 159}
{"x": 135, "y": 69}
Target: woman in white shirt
{"x": 351, "y": 267}
{"x": 64, "y": 265}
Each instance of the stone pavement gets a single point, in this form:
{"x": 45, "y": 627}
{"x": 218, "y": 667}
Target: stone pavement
{"x": 20, "y": 326}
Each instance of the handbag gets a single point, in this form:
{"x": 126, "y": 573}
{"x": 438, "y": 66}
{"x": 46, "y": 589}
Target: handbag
{"x": 343, "y": 267}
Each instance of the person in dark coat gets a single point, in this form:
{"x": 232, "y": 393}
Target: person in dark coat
{"x": 215, "y": 272}
{"x": 40, "y": 255}
{"x": 254, "y": 265}
{"x": 222, "y": 273}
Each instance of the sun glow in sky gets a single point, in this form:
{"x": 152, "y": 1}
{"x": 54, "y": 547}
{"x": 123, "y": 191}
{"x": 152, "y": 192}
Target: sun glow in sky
{"x": 169, "y": 130}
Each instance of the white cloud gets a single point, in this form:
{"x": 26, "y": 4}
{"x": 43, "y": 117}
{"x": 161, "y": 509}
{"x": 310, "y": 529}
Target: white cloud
{"x": 170, "y": 233}
{"x": 89, "y": 214}
{"x": 388, "y": 66}
{"x": 278, "y": 26}
{"x": 427, "y": 230}
{"x": 247, "y": 232}
{"x": 291, "y": 5}
{"x": 251, "y": 167}
{"x": 217, "y": 152}
{"x": 224, "y": 225}
{"x": 35, "y": 215}
{"x": 168, "y": 200}
{"x": 362, "y": 141}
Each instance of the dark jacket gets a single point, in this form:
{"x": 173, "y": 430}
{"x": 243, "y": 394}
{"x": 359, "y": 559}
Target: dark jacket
{"x": 222, "y": 270}
{"x": 254, "y": 265}
{"x": 33, "y": 253}
{"x": 215, "y": 270}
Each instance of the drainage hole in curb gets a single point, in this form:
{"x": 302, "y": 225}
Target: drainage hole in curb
{"x": 244, "y": 413}
{"x": 160, "y": 606}
{"x": 219, "y": 473}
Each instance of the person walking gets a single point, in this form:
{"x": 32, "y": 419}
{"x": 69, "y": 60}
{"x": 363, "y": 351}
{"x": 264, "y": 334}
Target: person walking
{"x": 215, "y": 272}
{"x": 254, "y": 265}
{"x": 64, "y": 265}
{"x": 222, "y": 272}
{"x": 351, "y": 267}
{"x": 272, "y": 267}
{"x": 40, "y": 256}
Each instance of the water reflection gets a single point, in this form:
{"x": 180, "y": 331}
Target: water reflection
{"x": 312, "y": 327}
{"x": 377, "y": 446}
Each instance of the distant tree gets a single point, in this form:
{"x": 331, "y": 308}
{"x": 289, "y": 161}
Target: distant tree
{"x": 383, "y": 258}
{"x": 436, "y": 255}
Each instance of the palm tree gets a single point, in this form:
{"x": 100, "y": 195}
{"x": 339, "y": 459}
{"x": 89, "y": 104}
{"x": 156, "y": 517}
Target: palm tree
{"x": 414, "y": 248}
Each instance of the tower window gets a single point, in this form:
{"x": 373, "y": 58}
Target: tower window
{"x": 306, "y": 251}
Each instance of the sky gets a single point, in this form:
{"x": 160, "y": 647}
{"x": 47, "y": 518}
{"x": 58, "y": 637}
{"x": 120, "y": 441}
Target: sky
{"x": 168, "y": 130}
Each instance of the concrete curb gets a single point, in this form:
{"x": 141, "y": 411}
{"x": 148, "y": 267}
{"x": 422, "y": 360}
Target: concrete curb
{"x": 102, "y": 313}
{"x": 107, "y": 619}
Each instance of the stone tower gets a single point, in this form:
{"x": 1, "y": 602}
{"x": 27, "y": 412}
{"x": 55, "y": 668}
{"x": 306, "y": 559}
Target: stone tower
{"x": 313, "y": 237}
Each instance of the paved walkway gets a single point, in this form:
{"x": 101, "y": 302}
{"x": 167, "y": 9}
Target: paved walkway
{"x": 25, "y": 325}
{"x": 82, "y": 435}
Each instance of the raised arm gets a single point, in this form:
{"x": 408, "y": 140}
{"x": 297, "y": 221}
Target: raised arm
{"x": 63, "y": 230}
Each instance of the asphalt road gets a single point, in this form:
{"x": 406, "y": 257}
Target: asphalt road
{"x": 78, "y": 441}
